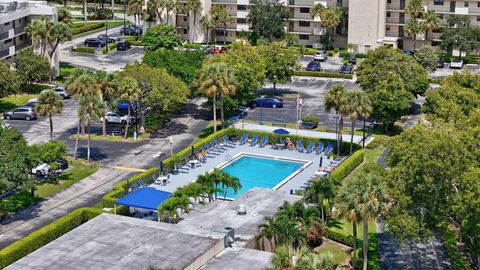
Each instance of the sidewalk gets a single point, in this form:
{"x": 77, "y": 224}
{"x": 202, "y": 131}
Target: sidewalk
{"x": 300, "y": 132}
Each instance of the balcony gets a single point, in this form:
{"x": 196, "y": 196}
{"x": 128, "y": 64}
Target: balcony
{"x": 394, "y": 7}
{"x": 441, "y": 9}
{"x": 301, "y": 3}
{"x": 396, "y": 20}
{"x": 231, "y": 2}
{"x": 23, "y": 46}
{"x": 4, "y": 36}
{"x": 20, "y": 30}
{"x": 4, "y": 53}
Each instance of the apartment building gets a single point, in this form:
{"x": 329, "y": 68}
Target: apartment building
{"x": 301, "y": 24}
{"x": 14, "y": 17}
{"x": 373, "y": 23}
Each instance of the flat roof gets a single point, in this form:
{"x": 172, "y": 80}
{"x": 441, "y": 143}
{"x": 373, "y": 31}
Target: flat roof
{"x": 240, "y": 259}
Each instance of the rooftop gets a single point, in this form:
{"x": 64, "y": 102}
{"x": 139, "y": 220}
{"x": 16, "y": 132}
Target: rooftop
{"x": 240, "y": 259}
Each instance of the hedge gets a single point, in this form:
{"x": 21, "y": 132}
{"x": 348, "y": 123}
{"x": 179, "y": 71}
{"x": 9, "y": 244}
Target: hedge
{"x": 345, "y": 54}
{"x": 192, "y": 46}
{"x": 348, "y": 165}
{"x": 111, "y": 48}
{"x": 310, "y": 51}
{"x": 45, "y": 235}
{"x": 450, "y": 240}
{"x": 87, "y": 27}
{"x": 342, "y": 238}
{"x": 377, "y": 141}
{"x": 85, "y": 50}
{"x": 322, "y": 74}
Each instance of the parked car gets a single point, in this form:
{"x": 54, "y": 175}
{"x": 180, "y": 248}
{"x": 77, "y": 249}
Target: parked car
{"x": 94, "y": 42}
{"x": 118, "y": 118}
{"x": 320, "y": 56}
{"x": 346, "y": 69}
{"x": 352, "y": 59}
{"x": 111, "y": 38}
{"x": 269, "y": 102}
{"x": 314, "y": 66}
{"x": 62, "y": 163}
{"x": 456, "y": 63}
{"x": 27, "y": 113}
{"x": 131, "y": 30}
{"x": 31, "y": 103}
{"x": 440, "y": 64}
{"x": 42, "y": 169}
{"x": 217, "y": 50}
{"x": 123, "y": 45}
{"x": 60, "y": 91}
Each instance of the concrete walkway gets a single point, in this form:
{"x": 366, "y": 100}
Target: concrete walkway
{"x": 90, "y": 190}
{"x": 300, "y": 132}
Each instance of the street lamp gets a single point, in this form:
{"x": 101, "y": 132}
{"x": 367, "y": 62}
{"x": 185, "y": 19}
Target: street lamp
{"x": 124, "y": 13}
{"x": 106, "y": 34}
{"x": 261, "y": 112}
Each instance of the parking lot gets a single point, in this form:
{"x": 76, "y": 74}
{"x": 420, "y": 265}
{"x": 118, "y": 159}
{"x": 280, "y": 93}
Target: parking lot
{"x": 332, "y": 64}
{"x": 311, "y": 90}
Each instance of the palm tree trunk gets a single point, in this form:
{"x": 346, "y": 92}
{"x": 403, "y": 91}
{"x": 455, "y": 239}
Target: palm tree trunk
{"x": 354, "y": 258}
{"x": 194, "y": 18}
{"x": 365, "y": 243}
{"x": 76, "y": 142}
{"x": 64, "y": 3}
{"x": 88, "y": 142}
{"x": 224, "y": 34}
{"x": 82, "y": 127}
{"x": 323, "y": 214}
{"x": 222, "y": 110}
{"x": 215, "y": 37}
{"x": 364, "y": 124}
{"x": 351, "y": 137}
{"x": 340, "y": 134}
{"x": 85, "y": 10}
{"x": 128, "y": 123}
{"x": 167, "y": 16}
{"x": 414, "y": 41}
{"x": 214, "y": 114}
{"x": 104, "y": 127}
{"x": 51, "y": 125}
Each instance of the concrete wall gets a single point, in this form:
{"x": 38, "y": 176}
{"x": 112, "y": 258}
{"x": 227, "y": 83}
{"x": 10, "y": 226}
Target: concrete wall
{"x": 363, "y": 23}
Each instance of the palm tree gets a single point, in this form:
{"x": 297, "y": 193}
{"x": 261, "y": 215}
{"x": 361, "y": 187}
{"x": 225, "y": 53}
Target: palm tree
{"x": 346, "y": 209}
{"x": 104, "y": 85}
{"x": 48, "y": 104}
{"x": 321, "y": 192}
{"x": 91, "y": 108}
{"x": 266, "y": 230}
{"x": 194, "y": 6}
{"x": 64, "y": 15}
{"x": 169, "y": 207}
{"x": 207, "y": 24}
{"x": 150, "y": 12}
{"x": 159, "y": 6}
{"x": 362, "y": 198}
{"x": 206, "y": 180}
{"x": 80, "y": 82}
{"x": 336, "y": 99}
{"x": 221, "y": 17}
{"x": 229, "y": 181}
{"x": 128, "y": 91}
{"x": 414, "y": 27}
{"x": 169, "y": 6}
{"x": 432, "y": 21}
{"x": 358, "y": 105}
{"x": 329, "y": 19}
{"x": 38, "y": 31}
{"x": 282, "y": 257}
{"x": 135, "y": 9}
{"x": 217, "y": 78}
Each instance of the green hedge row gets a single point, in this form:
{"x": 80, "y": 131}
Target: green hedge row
{"x": 469, "y": 59}
{"x": 377, "y": 141}
{"x": 45, "y": 235}
{"x": 323, "y": 74}
{"x": 111, "y": 47}
{"x": 87, "y": 27}
{"x": 192, "y": 46}
{"x": 348, "y": 165}
{"x": 85, "y": 50}
{"x": 342, "y": 238}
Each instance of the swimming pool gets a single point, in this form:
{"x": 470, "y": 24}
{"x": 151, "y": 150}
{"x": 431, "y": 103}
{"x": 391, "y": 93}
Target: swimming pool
{"x": 261, "y": 171}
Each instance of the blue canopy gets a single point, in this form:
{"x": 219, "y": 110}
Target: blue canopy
{"x": 145, "y": 198}
{"x": 281, "y": 131}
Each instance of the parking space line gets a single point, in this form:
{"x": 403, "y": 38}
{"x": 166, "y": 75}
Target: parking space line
{"x": 128, "y": 169}
{"x": 308, "y": 83}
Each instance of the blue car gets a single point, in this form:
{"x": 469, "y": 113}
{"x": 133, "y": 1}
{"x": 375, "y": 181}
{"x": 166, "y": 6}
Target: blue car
{"x": 314, "y": 66}
{"x": 268, "y": 102}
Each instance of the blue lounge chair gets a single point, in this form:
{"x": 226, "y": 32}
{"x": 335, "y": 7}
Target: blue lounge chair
{"x": 329, "y": 149}
{"x": 254, "y": 140}
{"x": 319, "y": 148}
{"x": 299, "y": 146}
{"x": 208, "y": 153}
{"x": 264, "y": 141}
{"x": 228, "y": 142}
{"x": 213, "y": 147}
{"x": 140, "y": 182}
{"x": 310, "y": 147}
{"x": 244, "y": 138}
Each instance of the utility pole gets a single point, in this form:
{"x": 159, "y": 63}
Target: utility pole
{"x": 106, "y": 34}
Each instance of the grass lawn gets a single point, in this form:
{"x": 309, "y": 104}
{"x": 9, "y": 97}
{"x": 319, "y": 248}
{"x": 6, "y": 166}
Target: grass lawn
{"x": 13, "y": 101}
{"x": 339, "y": 252}
{"x": 79, "y": 170}
{"x": 16, "y": 202}
{"x": 371, "y": 155}
{"x": 113, "y": 138}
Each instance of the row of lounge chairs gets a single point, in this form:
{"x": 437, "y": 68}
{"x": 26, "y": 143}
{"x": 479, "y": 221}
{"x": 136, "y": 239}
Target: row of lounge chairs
{"x": 263, "y": 142}
{"x": 299, "y": 145}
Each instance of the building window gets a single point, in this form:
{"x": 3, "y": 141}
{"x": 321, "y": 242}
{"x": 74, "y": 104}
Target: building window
{"x": 8, "y": 41}
{"x": 304, "y": 37}
{"x": 438, "y": 2}
{"x": 241, "y": 7}
{"x": 20, "y": 20}
{"x": 242, "y": 20}
{"x": 389, "y": 14}
{"x": 7, "y": 23}
{"x": 184, "y": 18}
{"x": 478, "y": 18}
{"x": 304, "y": 24}
{"x": 389, "y": 1}
{"x": 466, "y": 4}
{"x": 185, "y": 31}
{"x": 304, "y": 10}
{"x": 478, "y": 4}
{"x": 440, "y": 15}
{"x": 388, "y": 28}
{"x": 219, "y": 33}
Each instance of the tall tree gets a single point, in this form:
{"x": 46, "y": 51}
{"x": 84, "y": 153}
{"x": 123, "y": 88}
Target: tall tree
{"x": 9, "y": 81}
{"x": 48, "y": 104}
{"x": 460, "y": 34}
{"x": 159, "y": 6}
{"x": 321, "y": 192}
{"x": 194, "y": 6}
{"x": 336, "y": 99}
{"x": 105, "y": 86}
{"x": 128, "y": 91}
{"x": 135, "y": 9}
{"x": 357, "y": 105}
{"x": 161, "y": 36}
{"x": 90, "y": 108}
{"x": 30, "y": 67}
{"x": 207, "y": 24}
{"x": 217, "y": 78}
{"x": 414, "y": 26}
{"x": 280, "y": 62}
{"x": 268, "y": 18}
{"x": 330, "y": 18}
{"x": 432, "y": 21}
{"x": 427, "y": 57}
{"x": 221, "y": 17}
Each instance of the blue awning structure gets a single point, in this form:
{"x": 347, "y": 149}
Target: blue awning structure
{"x": 145, "y": 198}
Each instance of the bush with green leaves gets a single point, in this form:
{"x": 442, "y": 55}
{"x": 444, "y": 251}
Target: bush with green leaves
{"x": 30, "y": 67}
{"x": 85, "y": 50}
{"x": 310, "y": 118}
{"x": 323, "y": 74}
{"x": 161, "y": 36}
{"x": 348, "y": 165}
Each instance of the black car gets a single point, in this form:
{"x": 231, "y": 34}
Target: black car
{"x": 346, "y": 69}
{"x": 440, "y": 64}
{"x": 352, "y": 59}
{"x": 131, "y": 30}
{"x": 62, "y": 163}
{"x": 94, "y": 42}
{"x": 123, "y": 45}
{"x": 314, "y": 66}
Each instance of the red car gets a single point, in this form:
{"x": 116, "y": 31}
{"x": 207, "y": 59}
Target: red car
{"x": 217, "y": 50}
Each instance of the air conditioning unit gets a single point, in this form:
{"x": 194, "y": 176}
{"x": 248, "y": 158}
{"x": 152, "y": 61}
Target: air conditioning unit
{"x": 229, "y": 234}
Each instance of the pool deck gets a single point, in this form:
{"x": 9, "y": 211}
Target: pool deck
{"x": 294, "y": 183}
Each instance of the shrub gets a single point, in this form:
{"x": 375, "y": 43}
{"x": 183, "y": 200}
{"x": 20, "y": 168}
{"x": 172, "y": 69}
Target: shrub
{"x": 111, "y": 47}
{"x": 45, "y": 235}
{"x": 86, "y": 27}
{"x": 192, "y": 46}
{"x": 85, "y": 50}
{"x": 378, "y": 141}
{"x": 323, "y": 74}
{"x": 450, "y": 240}
{"x": 311, "y": 119}
{"x": 361, "y": 55}
{"x": 348, "y": 165}
{"x": 330, "y": 53}
{"x": 341, "y": 238}
{"x": 310, "y": 51}
{"x": 336, "y": 50}
{"x": 344, "y": 53}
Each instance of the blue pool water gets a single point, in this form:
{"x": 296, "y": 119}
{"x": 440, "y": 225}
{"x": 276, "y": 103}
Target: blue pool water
{"x": 259, "y": 172}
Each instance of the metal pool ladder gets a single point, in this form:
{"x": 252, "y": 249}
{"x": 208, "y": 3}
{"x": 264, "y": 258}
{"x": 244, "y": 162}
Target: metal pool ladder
{"x": 228, "y": 157}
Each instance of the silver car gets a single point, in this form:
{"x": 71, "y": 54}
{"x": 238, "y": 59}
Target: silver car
{"x": 27, "y": 113}
{"x": 60, "y": 91}
{"x": 118, "y": 118}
